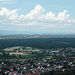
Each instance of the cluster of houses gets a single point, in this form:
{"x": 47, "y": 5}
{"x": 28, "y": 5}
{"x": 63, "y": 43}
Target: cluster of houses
{"x": 33, "y": 67}
{"x": 68, "y": 51}
{"x": 36, "y": 67}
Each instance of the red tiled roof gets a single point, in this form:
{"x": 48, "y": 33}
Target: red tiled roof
{"x": 63, "y": 69}
{"x": 35, "y": 74}
{"x": 54, "y": 69}
{"x": 32, "y": 74}
{"x": 14, "y": 72}
{"x": 17, "y": 67}
{"x": 39, "y": 66}
{"x": 10, "y": 68}
{"x": 28, "y": 74}
{"x": 19, "y": 74}
{"x": 7, "y": 71}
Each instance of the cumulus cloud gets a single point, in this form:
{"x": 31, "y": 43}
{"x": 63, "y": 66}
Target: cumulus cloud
{"x": 62, "y": 16}
{"x": 34, "y": 14}
{"x": 69, "y": 21}
{"x": 7, "y": 14}
{"x": 47, "y": 17}
{"x": 35, "y": 17}
{"x": 73, "y": 21}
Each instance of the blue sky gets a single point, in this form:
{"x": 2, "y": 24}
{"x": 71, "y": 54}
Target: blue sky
{"x": 40, "y": 16}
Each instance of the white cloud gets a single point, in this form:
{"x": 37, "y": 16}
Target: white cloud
{"x": 36, "y": 17}
{"x": 24, "y": 24}
{"x": 47, "y": 17}
{"x": 73, "y": 21}
{"x": 9, "y": 14}
{"x": 69, "y": 21}
{"x": 62, "y": 16}
{"x": 34, "y": 13}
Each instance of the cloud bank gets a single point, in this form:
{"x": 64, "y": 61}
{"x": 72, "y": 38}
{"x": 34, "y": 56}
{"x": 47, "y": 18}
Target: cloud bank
{"x": 35, "y": 17}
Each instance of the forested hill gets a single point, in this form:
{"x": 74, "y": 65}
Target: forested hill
{"x": 44, "y": 43}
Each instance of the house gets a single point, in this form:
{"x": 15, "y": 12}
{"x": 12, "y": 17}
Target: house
{"x": 69, "y": 63}
{"x": 11, "y": 69}
{"x": 39, "y": 66}
{"x": 28, "y": 74}
{"x": 19, "y": 74}
{"x": 6, "y": 72}
{"x": 17, "y": 68}
{"x": 35, "y": 74}
{"x": 32, "y": 74}
{"x": 13, "y": 73}
{"x": 63, "y": 69}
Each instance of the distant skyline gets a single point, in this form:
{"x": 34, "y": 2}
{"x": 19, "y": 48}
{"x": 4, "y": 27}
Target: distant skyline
{"x": 37, "y": 16}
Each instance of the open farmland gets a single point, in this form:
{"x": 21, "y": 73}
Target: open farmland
{"x": 12, "y": 48}
{"x": 20, "y": 50}
{"x": 21, "y": 53}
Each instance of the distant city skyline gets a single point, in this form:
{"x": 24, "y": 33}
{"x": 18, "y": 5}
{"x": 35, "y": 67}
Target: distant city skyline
{"x": 37, "y": 16}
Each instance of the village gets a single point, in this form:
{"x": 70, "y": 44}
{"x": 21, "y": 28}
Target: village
{"x": 61, "y": 58}
{"x": 22, "y": 67}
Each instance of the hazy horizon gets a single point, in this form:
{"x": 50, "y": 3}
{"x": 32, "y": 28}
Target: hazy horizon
{"x": 3, "y": 32}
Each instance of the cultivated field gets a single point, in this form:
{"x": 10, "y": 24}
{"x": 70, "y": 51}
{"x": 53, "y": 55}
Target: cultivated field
{"x": 12, "y": 48}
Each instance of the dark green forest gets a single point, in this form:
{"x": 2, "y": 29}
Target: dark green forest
{"x": 43, "y": 43}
